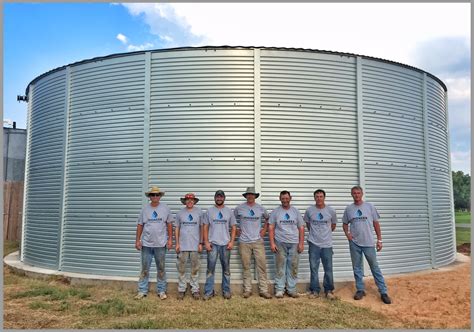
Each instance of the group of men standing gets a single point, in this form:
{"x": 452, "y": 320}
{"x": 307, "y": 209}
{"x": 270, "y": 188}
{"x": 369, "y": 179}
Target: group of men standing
{"x": 216, "y": 229}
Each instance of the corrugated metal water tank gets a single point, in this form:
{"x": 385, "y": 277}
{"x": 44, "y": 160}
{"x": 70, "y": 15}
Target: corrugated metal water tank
{"x": 101, "y": 131}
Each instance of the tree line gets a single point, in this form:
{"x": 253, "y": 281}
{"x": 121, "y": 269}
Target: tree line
{"x": 462, "y": 191}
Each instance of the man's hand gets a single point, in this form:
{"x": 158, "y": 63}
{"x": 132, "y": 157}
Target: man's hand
{"x": 230, "y": 245}
{"x": 273, "y": 247}
{"x": 379, "y": 245}
{"x": 199, "y": 247}
{"x": 177, "y": 248}
{"x": 138, "y": 245}
{"x": 208, "y": 246}
{"x": 169, "y": 245}
{"x": 300, "y": 247}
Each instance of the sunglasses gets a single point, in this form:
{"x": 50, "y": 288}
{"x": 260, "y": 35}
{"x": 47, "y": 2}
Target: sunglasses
{"x": 154, "y": 195}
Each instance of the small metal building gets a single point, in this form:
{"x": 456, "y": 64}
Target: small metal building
{"x": 101, "y": 131}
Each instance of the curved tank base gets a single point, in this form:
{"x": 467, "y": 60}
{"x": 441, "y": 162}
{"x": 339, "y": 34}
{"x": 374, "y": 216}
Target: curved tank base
{"x": 130, "y": 283}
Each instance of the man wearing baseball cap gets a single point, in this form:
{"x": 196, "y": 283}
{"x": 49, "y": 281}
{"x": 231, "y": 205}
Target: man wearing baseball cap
{"x": 188, "y": 237}
{"x": 218, "y": 221}
{"x": 253, "y": 223}
{"x": 153, "y": 237}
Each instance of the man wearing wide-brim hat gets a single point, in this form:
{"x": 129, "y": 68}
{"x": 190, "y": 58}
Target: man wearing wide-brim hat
{"x": 153, "y": 238}
{"x": 252, "y": 220}
{"x": 188, "y": 235}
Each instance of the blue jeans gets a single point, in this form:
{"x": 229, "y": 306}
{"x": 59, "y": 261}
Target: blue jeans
{"x": 224, "y": 256}
{"x": 317, "y": 254}
{"x": 147, "y": 254}
{"x": 287, "y": 259}
{"x": 357, "y": 267}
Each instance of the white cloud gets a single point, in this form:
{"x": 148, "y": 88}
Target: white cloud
{"x": 461, "y": 161}
{"x": 134, "y": 48}
{"x": 434, "y": 37}
{"x": 459, "y": 88}
{"x": 167, "y": 38}
{"x": 122, "y": 38}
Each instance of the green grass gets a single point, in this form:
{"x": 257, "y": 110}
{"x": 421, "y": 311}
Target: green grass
{"x": 463, "y": 235}
{"x": 58, "y": 305}
{"x": 462, "y": 217}
{"x": 52, "y": 293}
{"x": 10, "y": 246}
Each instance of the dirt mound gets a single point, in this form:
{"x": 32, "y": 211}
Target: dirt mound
{"x": 436, "y": 299}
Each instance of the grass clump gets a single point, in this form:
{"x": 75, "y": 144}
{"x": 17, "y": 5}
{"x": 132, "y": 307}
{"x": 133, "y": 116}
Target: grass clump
{"x": 53, "y": 293}
{"x": 109, "y": 307}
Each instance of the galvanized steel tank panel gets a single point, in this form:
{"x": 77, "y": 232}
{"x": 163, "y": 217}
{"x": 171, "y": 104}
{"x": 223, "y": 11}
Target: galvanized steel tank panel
{"x": 202, "y": 119}
{"x": 44, "y": 171}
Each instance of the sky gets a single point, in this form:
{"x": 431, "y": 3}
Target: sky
{"x": 434, "y": 37}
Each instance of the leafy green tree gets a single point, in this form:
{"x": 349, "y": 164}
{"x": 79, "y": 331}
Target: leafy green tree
{"x": 462, "y": 191}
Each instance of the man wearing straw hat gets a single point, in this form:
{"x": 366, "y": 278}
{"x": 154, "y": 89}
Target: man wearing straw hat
{"x": 218, "y": 221}
{"x": 153, "y": 237}
{"x": 253, "y": 222}
{"x": 188, "y": 237}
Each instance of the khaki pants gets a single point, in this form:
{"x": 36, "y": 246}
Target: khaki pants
{"x": 258, "y": 250}
{"x": 183, "y": 257}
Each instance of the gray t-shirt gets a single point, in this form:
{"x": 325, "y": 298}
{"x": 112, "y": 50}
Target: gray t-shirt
{"x": 360, "y": 219}
{"x": 188, "y": 223}
{"x": 220, "y": 222}
{"x": 250, "y": 220}
{"x": 154, "y": 220}
{"x": 287, "y": 223}
{"x": 320, "y": 222}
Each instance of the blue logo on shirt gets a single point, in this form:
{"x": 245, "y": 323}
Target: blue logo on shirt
{"x": 190, "y": 217}
{"x": 251, "y": 213}
{"x": 220, "y": 216}
{"x": 287, "y": 216}
{"x": 320, "y": 216}
{"x": 154, "y": 215}
{"x": 359, "y": 213}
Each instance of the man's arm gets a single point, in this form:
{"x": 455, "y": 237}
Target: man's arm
{"x": 233, "y": 230}
{"x": 271, "y": 235}
{"x": 206, "y": 237}
{"x": 264, "y": 229}
{"x": 301, "y": 239}
{"x": 138, "y": 242}
{"x": 176, "y": 237}
{"x": 170, "y": 235}
{"x": 345, "y": 228}
{"x": 378, "y": 232}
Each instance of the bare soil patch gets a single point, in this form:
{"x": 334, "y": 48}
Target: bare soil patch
{"x": 464, "y": 248}
{"x": 433, "y": 299}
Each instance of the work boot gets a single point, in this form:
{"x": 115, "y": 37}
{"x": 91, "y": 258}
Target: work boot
{"x": 330, "y": 295}
{"x": 279, "y": 295}
{"x": 265, "y": 295}
{"x": 294, "y": 295}
{"x": 359, "y": 295}
{"x": 385, "y": 299}
{"x": 246, "y": 294}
